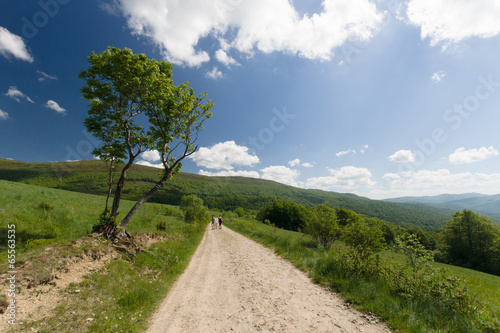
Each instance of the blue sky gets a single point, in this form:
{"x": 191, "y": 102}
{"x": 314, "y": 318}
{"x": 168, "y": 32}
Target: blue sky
{"x": 378, "y": 98}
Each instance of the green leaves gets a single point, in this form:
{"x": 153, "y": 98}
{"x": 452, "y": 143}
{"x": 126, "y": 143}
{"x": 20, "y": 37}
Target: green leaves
{"x": 134, "y": 106}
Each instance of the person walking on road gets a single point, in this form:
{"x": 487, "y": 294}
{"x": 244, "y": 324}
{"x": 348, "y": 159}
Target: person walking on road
{"x": 213, "y": 222}
{"x": 220, "y": 221}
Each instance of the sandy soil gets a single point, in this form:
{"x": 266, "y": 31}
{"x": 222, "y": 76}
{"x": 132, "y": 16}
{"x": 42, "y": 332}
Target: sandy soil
{"x": 233, "y": 284}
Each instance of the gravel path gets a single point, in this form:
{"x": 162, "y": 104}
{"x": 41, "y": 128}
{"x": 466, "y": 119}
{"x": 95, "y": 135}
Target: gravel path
{"x": 233, "y": 284}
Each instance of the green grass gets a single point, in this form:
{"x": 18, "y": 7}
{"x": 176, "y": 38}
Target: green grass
{"x": 44, "y": 215}
{"x": 372, "y": 295}
{"x": 122, "y": 296}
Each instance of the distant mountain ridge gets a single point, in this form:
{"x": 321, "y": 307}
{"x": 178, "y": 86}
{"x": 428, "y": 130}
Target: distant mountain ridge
{"x": 226, "y": 193}
{"x": 480, "y": 203}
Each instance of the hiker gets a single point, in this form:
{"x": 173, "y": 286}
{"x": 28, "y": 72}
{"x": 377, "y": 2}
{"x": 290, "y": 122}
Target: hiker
{"x": 220, "y": 221}
{"x": 213, "y": 222}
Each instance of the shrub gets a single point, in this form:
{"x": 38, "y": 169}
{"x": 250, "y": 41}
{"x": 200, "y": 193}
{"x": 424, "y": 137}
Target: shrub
{"x": 161, "y": 225}
{"x": 46, "y": 206}
{"x": 322, "y": 225}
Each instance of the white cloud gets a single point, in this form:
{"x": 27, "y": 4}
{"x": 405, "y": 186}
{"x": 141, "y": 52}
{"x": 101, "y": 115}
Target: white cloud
{"x": 215, "y": 74}
{"x": 54, "y": 106}
{"x": 462, "y": 156}
{"x": 438, "y": 76}
{"x": 249, "y": 25}
{"x": 281, "y": 174}
{"x": 13, "y": 45}
{"x": 363, "y": 149}
{"x": 17, "y": 95}
{"x": 3, "y": 115}
{"x": 223, "y": 156}
{"x": 345, "y": 152}
{"x": 45, "y": 76}
{"x": 149, "y": 164}
{"x": 402, "y": 156}
{"x": 348, "y": 178}
{"x": 222, "y": 56}
{"x": 296, "y": 162}
{"x": 230, "y": 173}
{"x": 451, "y": 21}
{"x": 433, "y": 182}
{"x": 151, "y": 155}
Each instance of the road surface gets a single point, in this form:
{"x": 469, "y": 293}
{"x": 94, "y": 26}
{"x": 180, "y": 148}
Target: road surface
{"x": 233, "y": 284}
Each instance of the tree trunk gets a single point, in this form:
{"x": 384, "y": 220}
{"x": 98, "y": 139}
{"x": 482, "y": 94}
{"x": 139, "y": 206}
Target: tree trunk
{"x": 126, "y": 220}
{"x": 119, "y": 190}
{"x": 110, "y": 182}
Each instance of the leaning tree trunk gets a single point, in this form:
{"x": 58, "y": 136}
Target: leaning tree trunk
{"x": 126, "y": 220}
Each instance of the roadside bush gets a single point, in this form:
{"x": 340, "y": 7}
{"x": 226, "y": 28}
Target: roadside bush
{"x": 417, "y": 280}
{"x": 322, "y": 225}
{"x": 365, "y": 237}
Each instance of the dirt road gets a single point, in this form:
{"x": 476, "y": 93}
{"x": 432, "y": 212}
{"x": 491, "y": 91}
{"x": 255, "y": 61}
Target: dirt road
{"x": 235, "y": 285}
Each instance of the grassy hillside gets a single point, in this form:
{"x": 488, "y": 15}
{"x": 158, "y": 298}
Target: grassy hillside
{"x": 217, "y": 192}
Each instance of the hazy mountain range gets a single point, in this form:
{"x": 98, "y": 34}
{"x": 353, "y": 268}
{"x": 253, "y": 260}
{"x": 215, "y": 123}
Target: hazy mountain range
{"x": 479, "y": 203}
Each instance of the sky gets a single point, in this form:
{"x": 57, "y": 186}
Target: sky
{"x": 379, "y": 98}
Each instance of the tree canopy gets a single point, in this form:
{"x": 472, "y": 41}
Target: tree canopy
{"x": 135, "y": 107}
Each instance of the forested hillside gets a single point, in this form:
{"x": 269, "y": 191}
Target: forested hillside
{"x": 226, "y": 193}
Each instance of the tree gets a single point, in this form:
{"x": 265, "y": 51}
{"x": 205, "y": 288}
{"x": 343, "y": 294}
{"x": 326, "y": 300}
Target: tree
{"x": 469, "y": 240}
{"x": 193, "y": 209}
{"x": 283, "y": 214}
{"x": 134, "y": 107}
{"x": 322, "y": 225}
{"x": 345, "y": 216}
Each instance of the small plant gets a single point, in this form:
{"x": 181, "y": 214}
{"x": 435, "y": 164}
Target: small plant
{"x": 162, "y": 225}
{"x": 103, "y": 222}
{"x": 46, "y": 206}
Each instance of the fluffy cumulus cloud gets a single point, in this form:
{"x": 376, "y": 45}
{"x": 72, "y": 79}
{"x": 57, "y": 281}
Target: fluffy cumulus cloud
{"x": 450, "y": 21}
{"x": 4, "y": 115}
{"x": 12, "y": 45}
{"x": 224, "y": 156}
{"x": 402, "y": 156}
{"x": 214, "y": 73}
{"x": 462, "y": 156}
{"x": 17, "y": 95}
{"x": 151, "y": 156}
{"x": 281, "y": 174}
{"x": 222, "y": 56}
{"x": 433, "y": 182}
{"x": 54, "y": 106}
{"x": 249, "y": 26}
{"x": 348, "y": 178}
